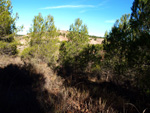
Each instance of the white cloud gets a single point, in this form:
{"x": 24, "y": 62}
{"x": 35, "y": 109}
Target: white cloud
{"x": 110, "y": 21}
{"x": 69, "y": 6}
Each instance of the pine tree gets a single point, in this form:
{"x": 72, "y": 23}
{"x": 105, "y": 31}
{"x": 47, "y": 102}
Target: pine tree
{"x": 139, "y": 54}
{"x": 77, "y": 40}
{"x": 7, "y": 28}
{"x": 140, "y": 16}
{"x": 44, "y": 43}
{"x": 116, "y": 45}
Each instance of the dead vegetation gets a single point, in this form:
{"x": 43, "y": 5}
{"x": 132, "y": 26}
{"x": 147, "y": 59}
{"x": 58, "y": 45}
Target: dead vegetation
{"x": 28, "y": 87}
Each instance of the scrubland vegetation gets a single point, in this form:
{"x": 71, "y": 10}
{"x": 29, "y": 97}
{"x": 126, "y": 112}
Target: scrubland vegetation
{"x": 74, "y": 76}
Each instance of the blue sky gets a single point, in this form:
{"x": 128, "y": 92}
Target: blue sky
{"x": 98, "y": 15}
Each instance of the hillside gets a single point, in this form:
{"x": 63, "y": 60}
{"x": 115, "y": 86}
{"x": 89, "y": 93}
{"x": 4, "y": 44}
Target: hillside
{"x": 28, "y": 87}
{"x": 93, "y": 39}
{"x": 36, "y": 88}
{"x": 58, "y": 71}
{"x": 25, "y": 39}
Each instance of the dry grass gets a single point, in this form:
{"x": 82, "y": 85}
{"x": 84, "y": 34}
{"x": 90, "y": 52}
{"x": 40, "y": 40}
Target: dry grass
{"x": 6, "y": 60}
{"x": 54, "y": 96}
{"x": 70, "y": 99}
{"x": 96, "y": 41}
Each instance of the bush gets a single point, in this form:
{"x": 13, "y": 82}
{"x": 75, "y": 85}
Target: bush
{"x": 44, "y": 45}
{"x": 81, "y": 61}
{"x": 8, "y": 48}
{"x": 27, "y": 53}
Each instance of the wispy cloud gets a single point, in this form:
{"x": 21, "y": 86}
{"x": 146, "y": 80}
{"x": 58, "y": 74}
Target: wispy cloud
{"x": 84, "y": 8}
{"x": 70, "y": 6}
{"x": 110, "y": 21}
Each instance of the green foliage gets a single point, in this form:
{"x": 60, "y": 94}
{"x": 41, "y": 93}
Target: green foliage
{"x": 8, "y": 48}
{"x": 76, "y": 55}
{"x": 140, "y": 24}
{"x": 116, "y": 45}
{"x": 78, "y": 39}
{"x": 78, "y": 33}
{"x": 139, "y": 54}
{"x": 42, "y": 29}
{"x": 140, "y": 16}
{"x": 44, "y": 43}
{"x": 7, "y": 22}
{"x": 89, "y": 58}
{"x": 127, "y": 46}
{"x": 7, "y": 28}
{"x": 106, "y": 34}
{"x": 49, "y": 52}
{"x": 28, "y": 53}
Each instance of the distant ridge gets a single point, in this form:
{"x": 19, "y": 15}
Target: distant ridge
{"x": 93, "y": 39}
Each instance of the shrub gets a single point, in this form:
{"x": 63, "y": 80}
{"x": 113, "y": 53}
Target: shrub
{"x": 8, "y": 48}
{"x": 44, "y": 44}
